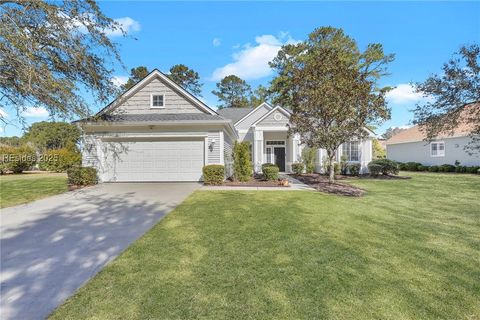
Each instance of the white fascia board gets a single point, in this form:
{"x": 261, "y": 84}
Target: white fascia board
{"x": 279, "y": 108}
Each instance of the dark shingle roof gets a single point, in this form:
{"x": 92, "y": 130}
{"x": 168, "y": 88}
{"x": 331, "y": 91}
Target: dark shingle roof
{"x": 234, "y": 114}
{"x": 163, "y": 117}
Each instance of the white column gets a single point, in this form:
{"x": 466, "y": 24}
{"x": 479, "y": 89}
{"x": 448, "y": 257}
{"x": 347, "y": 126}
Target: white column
{"x": 257, "y": 150}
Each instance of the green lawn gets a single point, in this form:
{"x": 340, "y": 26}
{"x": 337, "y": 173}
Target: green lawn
{"x": 409, "y": 249}
{"x": 16, "y": 189}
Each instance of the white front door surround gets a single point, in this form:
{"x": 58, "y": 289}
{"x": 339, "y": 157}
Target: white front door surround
{"x": 266, "y": 141}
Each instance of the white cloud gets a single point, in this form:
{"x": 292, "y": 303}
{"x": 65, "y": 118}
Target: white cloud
{"x": 404, "y": 93}
{"x": 119, "y": 80}
{"x": 126, "y": 24}
{"x": 216, "y": 42}
{"x": 33, "y": 112}
{"x": 251, "y": 62}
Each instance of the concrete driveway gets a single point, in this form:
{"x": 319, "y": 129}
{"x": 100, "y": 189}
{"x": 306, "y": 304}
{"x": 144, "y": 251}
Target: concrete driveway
{"x": 51, "y": 247}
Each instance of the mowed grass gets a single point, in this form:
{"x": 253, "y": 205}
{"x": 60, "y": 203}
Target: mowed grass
{"x": 409, "y": 249}
{"x": 17, "y": 189}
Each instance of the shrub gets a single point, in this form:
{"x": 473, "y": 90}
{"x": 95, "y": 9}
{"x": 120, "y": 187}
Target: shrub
{"x": 387, "y": 166}
{"x": 308, "y": 157}
{"x": 60, "y": 160}
{"x": 242, "y": 166}
{"x": 271, "y": 173}
{"x": 17, "y": 159}
{"x": 401, "y": 166}
{"x": 82, "y": 176}
{"x": 447, "y": 168}
{"x": 267, "y": 165}
{"x": 354, "y": 169}
{"x": 460, "y": 169}
{"x": 374, "y": 169}
{"x": 213, "y": 174}
{"x": 472, "y": 169}
{"x": 411, "y": 166}
{"x": 478, "y": 171}
{"x": 297, "y": 168}
{"x": 343, "y": 164}
{"x": 433, "y": 169}
{"x": 422, "y": 168}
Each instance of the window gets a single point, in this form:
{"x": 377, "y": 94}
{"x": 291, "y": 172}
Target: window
{"x": 437, "y": 149}
{"x": 157, "y": 101}
{"x": 275, "y": 143}
{"x": 350, "y": 150}
{"x": 269, "y": 155}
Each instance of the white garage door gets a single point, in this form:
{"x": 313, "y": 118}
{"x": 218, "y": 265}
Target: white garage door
{"x": 168, "y": 160}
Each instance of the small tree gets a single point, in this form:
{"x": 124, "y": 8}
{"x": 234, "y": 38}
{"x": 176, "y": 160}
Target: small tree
{"x": 454, "y": 98}
{"x": 242, "y": 166}
{"x": 233, "y": 92}
{"x": 332, "y": 88}
{"x": 47, "y": 135}
{"x": 308, "y": 157}
{"x": 378, "y": 151}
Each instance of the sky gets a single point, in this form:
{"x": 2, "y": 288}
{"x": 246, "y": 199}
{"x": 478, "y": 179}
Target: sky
{"x": 221, "y": 38}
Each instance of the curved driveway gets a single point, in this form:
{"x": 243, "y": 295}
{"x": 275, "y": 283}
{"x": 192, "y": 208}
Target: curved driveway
{"x": 51, "y": 247}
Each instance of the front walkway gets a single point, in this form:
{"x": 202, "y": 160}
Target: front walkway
{"x": 51, "y": 247}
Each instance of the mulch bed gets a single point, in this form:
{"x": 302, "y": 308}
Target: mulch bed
{"x": 254, "y": 182}
{"x": 321, "y": 183}
{"x": 73, "y": 187}
{"x": 382, "y": 177}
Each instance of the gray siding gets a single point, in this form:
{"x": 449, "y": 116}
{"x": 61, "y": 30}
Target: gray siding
{"x": 252, "y": 118}
{"x": 139, "y": 103}
{"x": 270, "y": 121}
{"x": 420, "y": 152}
{"x": 213, "y": 149}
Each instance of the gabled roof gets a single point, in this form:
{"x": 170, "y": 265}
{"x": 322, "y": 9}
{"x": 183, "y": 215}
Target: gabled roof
{"x": 234, "y": 114}
{"x": 263, "y": 104}
{"x": 277, "y": 108}
{"x": 415, "y": 133}
{"x": 152, "y": 75}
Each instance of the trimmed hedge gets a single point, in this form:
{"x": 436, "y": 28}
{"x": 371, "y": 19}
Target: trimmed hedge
{"x": 447, "y": 168}
{"x": 17, "y": 159}
{"x": 270, "y": 172}
{"x": 415, "y": 166}
{"x": 60, "y": 160}
{"x": 353, "y": 169}
{"x": 82, "y": 176}
{"x": 297, "y": 168}
{"x": 387, "y": 166}
{"x": 374, "y": 169}
{"x": 267, "y": 165}
{"x": 213, "y": 174}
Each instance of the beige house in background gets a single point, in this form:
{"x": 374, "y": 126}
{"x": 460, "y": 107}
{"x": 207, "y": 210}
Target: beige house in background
{"x": 410, "y": 146}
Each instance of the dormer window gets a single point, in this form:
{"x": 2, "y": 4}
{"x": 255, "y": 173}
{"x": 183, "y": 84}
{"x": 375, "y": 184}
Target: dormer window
{"x": 157, "y": 101}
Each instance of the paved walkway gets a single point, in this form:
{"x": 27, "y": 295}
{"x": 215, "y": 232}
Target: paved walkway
{"x": 51, "y": 247}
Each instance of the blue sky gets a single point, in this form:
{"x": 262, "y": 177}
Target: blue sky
{"x": 219, "y": 38}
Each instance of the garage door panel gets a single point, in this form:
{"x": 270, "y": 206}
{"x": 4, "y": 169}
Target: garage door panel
{"x": 155, "y": 160}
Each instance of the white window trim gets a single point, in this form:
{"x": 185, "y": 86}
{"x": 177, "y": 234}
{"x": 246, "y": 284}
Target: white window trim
{"x": 151, "y": 101}
{"x": 341, "y": 151}
{"x": 437, "y": 155}
{"x": 284, "y": 146}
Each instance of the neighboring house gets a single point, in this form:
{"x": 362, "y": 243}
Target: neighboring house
{"x": 157, "y": 131}
{"x": 409, "y": 146}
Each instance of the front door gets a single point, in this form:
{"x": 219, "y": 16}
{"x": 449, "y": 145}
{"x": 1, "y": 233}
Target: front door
{"x": 280, "y": 158}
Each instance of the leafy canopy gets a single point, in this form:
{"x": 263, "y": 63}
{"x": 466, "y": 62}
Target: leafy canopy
{"x": 186, "y": 78}
{"x": 233, "y": 92}
{"x": 454, "y": 97}
{"x": 53, "y": 135}
{"x": 331, "y": 87}
{"x": 52, "y": 50}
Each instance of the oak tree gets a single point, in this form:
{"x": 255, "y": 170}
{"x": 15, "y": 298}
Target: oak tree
{"x": 332, "y": 88}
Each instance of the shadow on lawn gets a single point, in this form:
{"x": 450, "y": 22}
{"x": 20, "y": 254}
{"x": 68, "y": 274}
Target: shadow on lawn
{"x": 44, "y": 261}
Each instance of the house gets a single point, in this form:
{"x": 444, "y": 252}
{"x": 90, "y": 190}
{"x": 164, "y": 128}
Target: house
{"x": 448, "y": 148}
{"x": 157, "y": 131}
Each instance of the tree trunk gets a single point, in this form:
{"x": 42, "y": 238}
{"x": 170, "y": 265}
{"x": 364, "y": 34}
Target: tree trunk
{"x": 331, "y": 177}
